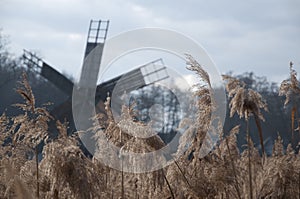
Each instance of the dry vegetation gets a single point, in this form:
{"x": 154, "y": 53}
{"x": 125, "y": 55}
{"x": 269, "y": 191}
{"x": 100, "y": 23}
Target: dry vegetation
{"x": 65, "y": 172}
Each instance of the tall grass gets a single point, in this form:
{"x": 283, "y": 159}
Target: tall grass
{"x": 65, "y": 172}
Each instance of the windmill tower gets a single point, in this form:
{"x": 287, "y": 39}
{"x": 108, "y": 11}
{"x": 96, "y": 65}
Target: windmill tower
{"x": 139, "y": 77}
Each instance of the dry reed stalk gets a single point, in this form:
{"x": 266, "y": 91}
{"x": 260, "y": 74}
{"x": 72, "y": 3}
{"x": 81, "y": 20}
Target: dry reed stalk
{"x": 294, "y": 110}
{"x": 249, "y": 161}
{"x": 37, "y": 173}
{"x": 233, "y": 131}
{"x": 204, "y": 94}
{"x": 299, "y": 185}
{"x": 30, "y": 129}
{"x": 122, "y": 180}
{"x": 246, "y": 102}
{"x": 290, "y": 88}
{"x": 261, "y": 139}
{"x": 168, "y": 184}
{"x": 182, "y": 173}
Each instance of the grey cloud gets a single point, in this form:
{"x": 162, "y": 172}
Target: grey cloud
{"x": 259, "y": 36}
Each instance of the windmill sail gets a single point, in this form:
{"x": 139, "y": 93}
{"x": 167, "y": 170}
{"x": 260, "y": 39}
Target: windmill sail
{"x": 33, "y": 62}
{"x": 93, "y": 53}
{"x": 139, "y": 77}
{"x": 59, "y": 80}
{"x": 143, "y": 75}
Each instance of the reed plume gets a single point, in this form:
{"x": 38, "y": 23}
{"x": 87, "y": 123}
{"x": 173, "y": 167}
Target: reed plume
{"x": 290, "y": 88}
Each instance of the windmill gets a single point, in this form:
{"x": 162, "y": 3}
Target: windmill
{"x": 141, "y": 76}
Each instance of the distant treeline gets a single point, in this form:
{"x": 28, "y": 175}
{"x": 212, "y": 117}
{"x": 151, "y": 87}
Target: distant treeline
{"x": 277, "y": 119}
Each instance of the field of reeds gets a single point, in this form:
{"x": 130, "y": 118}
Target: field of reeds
{"x": 226, "y": 172}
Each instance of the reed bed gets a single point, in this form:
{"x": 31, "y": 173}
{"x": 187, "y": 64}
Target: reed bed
{"x": 226, "y": 172}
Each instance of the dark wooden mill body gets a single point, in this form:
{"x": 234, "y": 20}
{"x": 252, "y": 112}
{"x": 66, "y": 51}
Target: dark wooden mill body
{"x": 97, "y": 33}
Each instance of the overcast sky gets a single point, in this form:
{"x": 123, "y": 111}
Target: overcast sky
{"x": 240, "y": 36}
